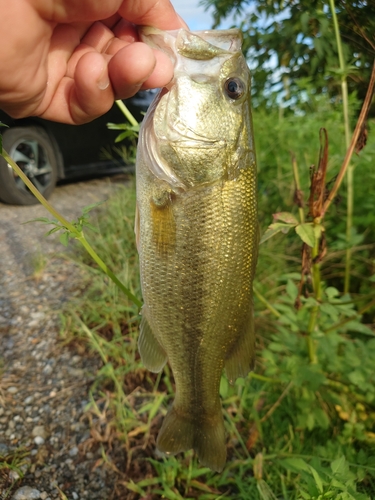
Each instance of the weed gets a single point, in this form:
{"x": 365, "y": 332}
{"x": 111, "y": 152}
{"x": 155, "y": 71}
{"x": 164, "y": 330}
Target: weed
{"x": 13, "y": 465}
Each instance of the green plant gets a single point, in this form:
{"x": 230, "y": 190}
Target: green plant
{"x": 13, "y": 464}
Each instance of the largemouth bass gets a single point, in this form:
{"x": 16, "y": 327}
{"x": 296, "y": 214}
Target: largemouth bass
{"x": 197, "y": 233}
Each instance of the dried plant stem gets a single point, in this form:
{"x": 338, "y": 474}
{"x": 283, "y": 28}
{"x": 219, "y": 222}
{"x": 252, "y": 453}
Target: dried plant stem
{"x": 277, "y": 403}
{"x": 298, "y": 187}
{"x": 349, "y": 153}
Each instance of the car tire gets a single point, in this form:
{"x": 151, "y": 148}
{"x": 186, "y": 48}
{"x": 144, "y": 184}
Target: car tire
{"x": 33, "y": 151}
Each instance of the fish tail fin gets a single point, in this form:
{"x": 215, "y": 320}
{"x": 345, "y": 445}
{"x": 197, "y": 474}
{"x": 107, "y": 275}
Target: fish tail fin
{"x": 207, "y": 437}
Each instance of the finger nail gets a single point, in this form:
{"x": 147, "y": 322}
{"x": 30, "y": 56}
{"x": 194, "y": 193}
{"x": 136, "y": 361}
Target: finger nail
{"x": 103, "y": 82}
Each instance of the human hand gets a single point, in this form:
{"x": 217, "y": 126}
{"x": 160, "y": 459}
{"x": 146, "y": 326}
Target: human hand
{"x": 68, "y": 60}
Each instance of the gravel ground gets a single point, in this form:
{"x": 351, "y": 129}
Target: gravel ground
{"x": 44, "y": 386}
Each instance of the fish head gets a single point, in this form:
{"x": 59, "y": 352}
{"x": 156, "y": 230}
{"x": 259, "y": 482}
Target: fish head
{"x": 199, "y": 128}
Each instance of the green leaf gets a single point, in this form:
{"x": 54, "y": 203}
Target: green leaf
{"x": 224, "y": 387}
{"x": 356, "y": 326}
{"x": 64, "y": 238}
{"x": 274, "y": 229}
{"x": 54, "y": 230}
{"x": 306, "y": 233}
{"x": 285, "y": 217}
{"x": 318, "y": 480}
{"x": 295, "y": 464}
{"x": 90, "y": 226}
{"x": 339, "y": 466}
{"x": 44, "y": 220}
{"x": 291, "y": 290}
{"x": 331, "y": 292}
{"x": 357, "y": 378}
{"x": 88, "y": 208}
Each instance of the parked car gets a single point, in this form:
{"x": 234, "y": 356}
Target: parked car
{"x": 48, "y": 152}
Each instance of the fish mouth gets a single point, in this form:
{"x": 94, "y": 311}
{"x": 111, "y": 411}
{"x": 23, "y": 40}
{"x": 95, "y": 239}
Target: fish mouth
{"x": 180, "y": 134}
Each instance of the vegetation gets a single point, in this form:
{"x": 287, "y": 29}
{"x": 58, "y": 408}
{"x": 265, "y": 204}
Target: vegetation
{"x": 291, "y": 44}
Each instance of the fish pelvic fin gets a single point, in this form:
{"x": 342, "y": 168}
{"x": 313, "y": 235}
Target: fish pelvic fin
{"x": 241, "y": 359}
{"x": 152, "y": 353}
{"x": 206, "y": 436}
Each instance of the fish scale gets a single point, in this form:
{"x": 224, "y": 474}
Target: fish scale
{"x": 197, "y": 236}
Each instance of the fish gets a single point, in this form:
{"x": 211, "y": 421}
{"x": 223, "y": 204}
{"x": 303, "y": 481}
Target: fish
{"x": 197, "y": 233}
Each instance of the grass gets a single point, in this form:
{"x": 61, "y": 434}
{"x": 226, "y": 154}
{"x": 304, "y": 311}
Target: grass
{"x": 295, "y": 429}
{"x": 12, "y": 468}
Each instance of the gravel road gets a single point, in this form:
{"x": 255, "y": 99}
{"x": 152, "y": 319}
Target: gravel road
{"x": 44, "y": 386}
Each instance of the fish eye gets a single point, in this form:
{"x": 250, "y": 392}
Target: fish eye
{"x": 234, "y": 87}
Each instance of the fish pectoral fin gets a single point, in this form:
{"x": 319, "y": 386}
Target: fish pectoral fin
{"x": 206, "y": 436}
{"x": 240, "y": 360}
{"x": 152, "y": 354}
{"x": 162, "y": 219}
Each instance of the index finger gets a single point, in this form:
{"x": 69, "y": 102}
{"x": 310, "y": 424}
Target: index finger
{"x": 157, "y": 13}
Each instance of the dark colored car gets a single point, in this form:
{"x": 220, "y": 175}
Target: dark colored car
{"x": 48, "y": 152}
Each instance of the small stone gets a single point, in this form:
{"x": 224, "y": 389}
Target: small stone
{"x": 44, "y": 495}
{"x": 4, "y": 450}
{"x": 13, "y": 389}
{"x": 77, "y": 373}
{"x": 75, "y": 359}
{"x": 28, "y": 400}
{"x": 75, "y": 496}
{"x": 39, "y": 431}
{"x": 26, "y": 493}
{"x": 47, "y": 370}
{"x": 89, "y": 455}
{"x": 13, "y": 475}
{"x": 73, "y": 452}
{"x": 38, "y": 440}
{"x": 37, "y": 315}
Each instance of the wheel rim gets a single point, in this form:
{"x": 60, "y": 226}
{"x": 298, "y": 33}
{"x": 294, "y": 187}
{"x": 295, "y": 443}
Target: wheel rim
{"x": 32, "y": 158}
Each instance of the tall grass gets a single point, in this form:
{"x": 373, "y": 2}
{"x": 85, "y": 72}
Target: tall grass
{"x": 295, "y": 429}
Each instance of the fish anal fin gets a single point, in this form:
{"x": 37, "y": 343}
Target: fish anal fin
{"x": 152, "y": 353}
{"x": 240, "y": 360}
{"x": 206, "y": 436}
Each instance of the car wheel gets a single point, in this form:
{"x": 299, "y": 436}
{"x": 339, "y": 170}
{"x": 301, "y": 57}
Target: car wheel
{"x": 32, "y": 150}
